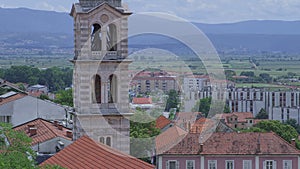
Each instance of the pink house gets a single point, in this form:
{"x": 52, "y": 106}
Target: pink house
{"x": 230, "y": 151}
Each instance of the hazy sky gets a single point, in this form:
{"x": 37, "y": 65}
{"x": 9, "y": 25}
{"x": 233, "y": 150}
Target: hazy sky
{"x": 205, "y": 11}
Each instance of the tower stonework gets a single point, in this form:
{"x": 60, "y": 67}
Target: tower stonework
{"x": 100, "y": 79}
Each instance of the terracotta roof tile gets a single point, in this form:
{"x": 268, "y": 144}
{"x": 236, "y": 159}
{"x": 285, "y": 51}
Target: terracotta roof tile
{"x": 45, "y": 131}
{"x": 242, "y": 116}
{"x": 202, "y": 124}
{"x": 169, "y": 139}
{"x": 183, "y": 119}
{"x": 235, "y": 144}
{"x": 85, "y": 153}
{"x": 12, "y": 98}
{"x": 142, "y": 100}
{"x": 162, "y": 122}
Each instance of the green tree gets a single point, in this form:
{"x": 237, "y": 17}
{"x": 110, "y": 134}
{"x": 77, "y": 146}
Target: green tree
{"x": 18, "y": 154}
{"x": 266, "y": 77}
{"x": 142, "y": 133}
{"x": 64, "y": 97}
{"x": 44, "y": 97}
{"x": 249, "y": 74}
{"x": 293, "y": 123}
{"x": 172, "y": 101}
{"x": 226, "y": 109}
{"x": 229, "y": 74}
{"x": 205, "y": 107}
{"x": 285, "y": 131}
{"x": 262, "y": 114}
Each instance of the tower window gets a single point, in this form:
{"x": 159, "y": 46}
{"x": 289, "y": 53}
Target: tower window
{"x": 111, "y": 38}
{"x": 97, "y": 89}
{"x": 96, "y": 38}
{"x": 112, "y": 93}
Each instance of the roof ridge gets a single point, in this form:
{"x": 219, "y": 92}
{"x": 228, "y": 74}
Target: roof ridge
{"x": 43, "y": 121}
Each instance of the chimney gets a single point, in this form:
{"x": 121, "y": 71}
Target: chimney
{"x": 30, "y": 126}
{"x": 189, "y": 126}
{"x": 55, "y": 123}
{"x": 258, "y": 147}
{"x": 293, "y": 142}
{"x": 201, "y": 148}
{"x": 60, "y": 127}
{"x": 69, "y": 134}
{"x": 32, "y": 131}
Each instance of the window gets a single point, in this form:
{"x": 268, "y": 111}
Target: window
{"x": 190, "y": 164}
{"x": 111, "y": 38}
{"x": 172, "y": 164}
{"x": 108, "y": 141}
{"x": 287, "y": 164}
{"x": 212, "y": 164}
{"x": 112, "y": 94}
{"x": 269, "y": 164}
{"x": 105, "y": 140}
{"x": 247, "y": 164}
{"x": 230, "y": 164}
{"x": 97, "y": 88}
{"x": 96, "y": 38}
{"x": 102, "y": 140}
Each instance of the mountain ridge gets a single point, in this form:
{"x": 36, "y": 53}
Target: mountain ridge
{"x": 24, "y": 28}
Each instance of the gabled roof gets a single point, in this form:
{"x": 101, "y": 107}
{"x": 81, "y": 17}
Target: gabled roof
{"x": 242, "y": 116}
{"x": 142, "y": 100}
{"x": 45, "y": 131}
{"x": 235, "y": 144}
{"x": 11, "y": 98}
{"x": 162, "y": 122}
{"x": 203, "y": 124}
{"x": 169, "y": 139}
{"x": 85, "y": 153}
{"x": 77, "y": 8}
{"x": 182, "y": 119}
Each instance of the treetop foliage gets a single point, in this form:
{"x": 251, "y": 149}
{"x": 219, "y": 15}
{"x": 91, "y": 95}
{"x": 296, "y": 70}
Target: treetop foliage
{"x": 54, "y": 78}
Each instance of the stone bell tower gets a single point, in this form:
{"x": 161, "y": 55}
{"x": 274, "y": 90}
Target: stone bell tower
{"x": 100, "y": 76}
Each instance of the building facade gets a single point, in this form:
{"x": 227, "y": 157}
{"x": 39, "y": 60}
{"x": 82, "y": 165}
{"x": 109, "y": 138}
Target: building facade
{"x": 18, "y": 108}
{"x": 101, "y": 72}
{"x": 280, "y": 105}
{"x": 146, "y": 82}
{"x": 230, "y": 151}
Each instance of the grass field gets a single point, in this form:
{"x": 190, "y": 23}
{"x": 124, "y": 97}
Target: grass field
{"x": 274, "y": 67}
{"x": 36, "y": 61}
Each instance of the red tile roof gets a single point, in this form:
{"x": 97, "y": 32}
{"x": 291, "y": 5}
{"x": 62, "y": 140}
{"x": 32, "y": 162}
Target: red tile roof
{"x": 85, "y": 153}
{"x": 202, "y": 124}
{"x": 35, "y": 93}
{"x": 142, "y": 100}
{"x": 169, "y": 139}
{"x": 12, "y": 98}
{"x": 242, "y": 116}
{"x": 162, "y": 122}
{"x": 45, "y": 131}
{"x": 184, "y": 118}
{"x": 235, "y": 144}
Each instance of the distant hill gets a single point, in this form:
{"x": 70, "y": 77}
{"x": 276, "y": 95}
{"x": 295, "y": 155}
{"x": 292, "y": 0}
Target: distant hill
{"x": 266, "y": 27}
{"x": 26, "y": 28}
{"x": 22, "y": 20}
